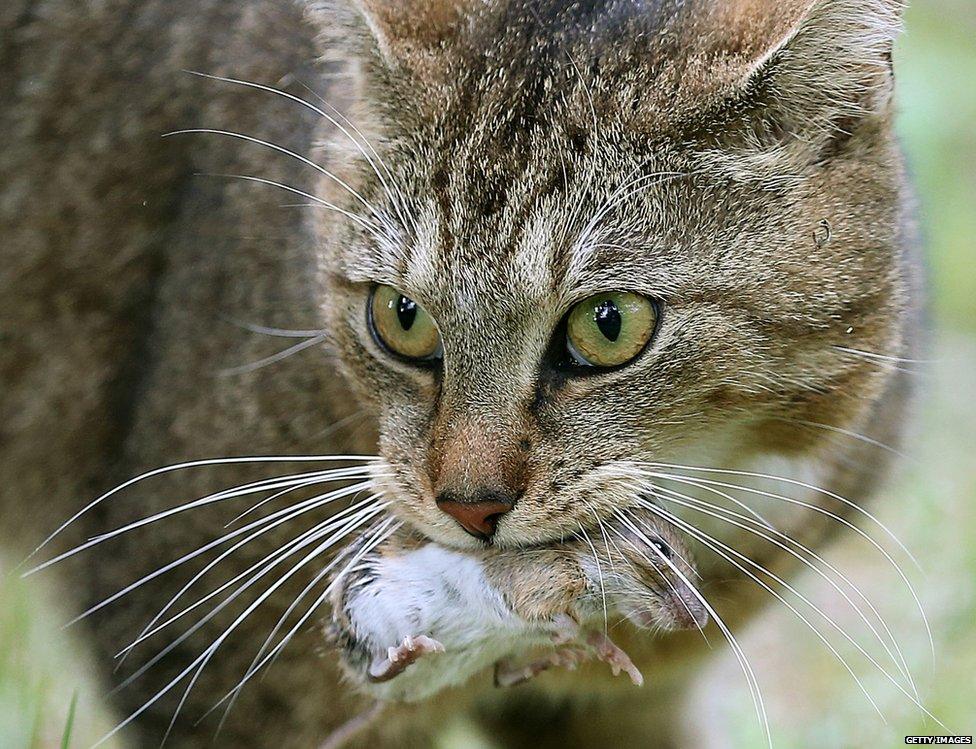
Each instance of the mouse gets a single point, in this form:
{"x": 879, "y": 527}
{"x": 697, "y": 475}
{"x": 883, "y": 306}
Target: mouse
{"x": 411, "y": 617}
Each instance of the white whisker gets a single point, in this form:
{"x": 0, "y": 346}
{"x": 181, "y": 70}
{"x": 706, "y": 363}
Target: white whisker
{"x": 394, "y": 197}
{"x": 200, "y": 661}
{"x": 192, "y": 464}
{"x": 288, "y": 515}
{"x": 308, "y": 504}
{"x": 713, "y": 543}
{"x": 382, "y": 531}
{"x": 707, "y": 508}
{"x": 298, "y": 157}
{"x": 740, "y": 656}
{"x": 278, "y": 332}
{"x": 274, "y": 358}
{"x": 820, "y": 510}
{"x": 256, "y": 487}
{"x": 364, "y": 223}
{"x": 326, "y": 528}
{"x": 599, "y": 571}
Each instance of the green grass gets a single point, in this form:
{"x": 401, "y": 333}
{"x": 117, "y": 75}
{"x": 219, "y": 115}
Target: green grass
{"x": 47, "y": 699}
{"x": 936, "y": 76}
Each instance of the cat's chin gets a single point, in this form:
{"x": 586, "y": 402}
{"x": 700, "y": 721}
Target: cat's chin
{"x": 453, "y": 538}
{"x": 457, "y": 538}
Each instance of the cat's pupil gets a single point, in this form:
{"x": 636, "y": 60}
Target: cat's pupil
{"x": 406, "y": 312}
{"x": 663, "y": 548}
{"x": 607, "y": 318}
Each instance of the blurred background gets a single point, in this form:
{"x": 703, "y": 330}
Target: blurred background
{"x": 930, "y": 503}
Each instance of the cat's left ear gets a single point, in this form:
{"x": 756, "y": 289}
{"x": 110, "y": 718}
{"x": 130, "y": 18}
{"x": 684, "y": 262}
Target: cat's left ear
{"x": 817, "y": 81}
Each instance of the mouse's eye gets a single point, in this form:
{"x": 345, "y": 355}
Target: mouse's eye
{"x": 609, "y": 329}
{"x": 401, "y": 326}
{"x": 663, "y": 548}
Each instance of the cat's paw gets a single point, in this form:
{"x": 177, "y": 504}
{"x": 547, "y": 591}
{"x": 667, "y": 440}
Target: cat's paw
{"x": 509, "y": 673}
{"x": 608, "y": 652}
{"x": 398, "y": 658}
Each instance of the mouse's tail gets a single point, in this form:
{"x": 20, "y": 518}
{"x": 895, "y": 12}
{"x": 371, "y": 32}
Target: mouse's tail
{"x": 341, "y": 736}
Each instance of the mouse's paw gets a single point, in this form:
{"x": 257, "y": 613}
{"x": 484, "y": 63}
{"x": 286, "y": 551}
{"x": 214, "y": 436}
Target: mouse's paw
{"x": 608, "y": 652}
{"x": 398, "y": 658}
{"x": 508, "y": 673}
{"x": 564, "y": 629}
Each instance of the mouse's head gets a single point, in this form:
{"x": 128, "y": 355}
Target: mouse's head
{"x": 646, "y": 572}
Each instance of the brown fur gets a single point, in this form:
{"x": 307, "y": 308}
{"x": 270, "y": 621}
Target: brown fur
{"x": 121, "y": 270}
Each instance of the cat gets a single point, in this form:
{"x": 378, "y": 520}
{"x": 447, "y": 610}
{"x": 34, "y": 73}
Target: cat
{"x": 561, "y": 254}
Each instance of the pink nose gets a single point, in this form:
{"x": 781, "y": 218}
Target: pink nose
{"x": 480, "y": 517}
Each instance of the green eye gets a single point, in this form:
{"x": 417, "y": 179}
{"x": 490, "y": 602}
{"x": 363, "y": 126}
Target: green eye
{"x": 610, "y": 329}
{"x": 401, "y": 325}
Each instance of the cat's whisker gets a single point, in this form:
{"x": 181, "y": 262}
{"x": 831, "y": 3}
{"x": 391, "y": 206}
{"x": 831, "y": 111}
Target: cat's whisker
{"x": 729, "y": 516}
{"x": 306, "y": 505}
{"x": 221, "y": 496}
{"x": 280, "y": 552}
{"x": 204, "y": 663}
{"x": 883, "y": 357}
{"x": 276, "y": 332}
{"x": 814, "y": 508}
{"x": 394, "y": 196}
{"x": 273, "y": 358}
{"x": 369, "y": 226}
{"x": 793, "y": 482}
{"x": 606, "y": 538}
{"x": 670, "y": 565}
{"x": 298, "y": 157}
{"x": 379, "y": 534}
{"x": 203, "y": 658}
{"x": 206, "y": 462}
{"x": 672, "y": 586}
{"x": 277, "y": 495}
{"x": 334, "y": 531}
{"x": 599, "y": 571}
{"x": 724, "y": 495}
{"x": 751, "y": 681}
{"x": 373, "y": 537}
{"x": 717, "y": 546}
{"x": 847, "y": 433}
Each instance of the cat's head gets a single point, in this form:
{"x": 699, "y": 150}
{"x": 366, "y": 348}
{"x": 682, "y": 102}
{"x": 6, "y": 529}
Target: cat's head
{"x": 597, "y": 233}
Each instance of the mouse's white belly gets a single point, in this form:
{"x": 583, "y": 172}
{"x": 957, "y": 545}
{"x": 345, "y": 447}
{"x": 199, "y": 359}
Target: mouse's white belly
{"x": 442, "y": 594}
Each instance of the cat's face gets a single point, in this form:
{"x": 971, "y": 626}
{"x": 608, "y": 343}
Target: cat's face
{"x": 737, "y": 266}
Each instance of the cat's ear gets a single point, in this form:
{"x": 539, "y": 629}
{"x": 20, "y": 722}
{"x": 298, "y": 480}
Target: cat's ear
{"x": 408, "y": 35}
{"x": 818, "y": 79}
{"x": 404, "y": 29}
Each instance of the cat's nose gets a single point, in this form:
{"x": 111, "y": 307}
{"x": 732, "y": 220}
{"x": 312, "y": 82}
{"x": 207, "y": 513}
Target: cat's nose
{"x": 477, "y": 514}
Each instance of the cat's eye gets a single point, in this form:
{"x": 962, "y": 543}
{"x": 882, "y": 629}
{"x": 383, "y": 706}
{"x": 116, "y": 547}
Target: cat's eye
{"x": 402, "y": 326}
{"x": 610, "y": 329}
